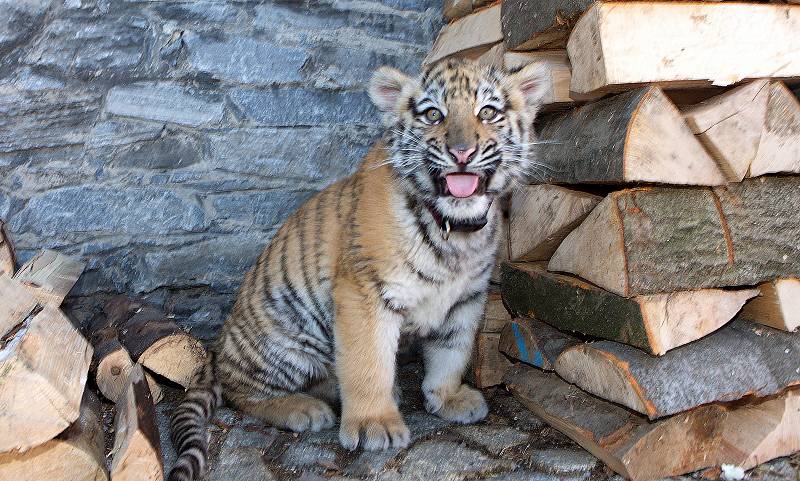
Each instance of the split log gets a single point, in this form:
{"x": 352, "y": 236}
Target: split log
{"x": 137, "y": 448}
{"x": 557, "y": 75}
{"x": 541, "y": 216}
{"x": 638, "y": 136}
{"x": 738, "y": 360}
{"x": 503, "y": 248}
{"x": 7, "y": 259}
{"x": 495, "y": 315}
{"x": 50, "y": 276}
{"x": 778, "y": 306}
{"x": 617, "y": 45}
{"x": 534, "y": 342}
{"x": 112, "y": 366}
{"x": 488, "y": 364}
{"x": 740, "y": 434}
{"x": 75, "y": 455}
{"x": 729, "y": 126}
{"x": 16, "y": 303}
{"x": 779, "y": 147}
{"x": 478, "y": 30}
{"x": 655, "y": 323}
{"x": 531, "y": 25}
{"x": 155, "y": 341}
{"x": 652, "y": 240}
{"x": 43, "y": 367}
{"x": 455, "y": 9}
{"x": 493, "y": 56}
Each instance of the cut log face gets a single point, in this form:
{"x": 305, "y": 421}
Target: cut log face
{"x": 615, "y": 45}
{"x": 493, "y": 56}
{"x": 480, "y": 29}
{"x": 496, "y": 316}
{"x": 638, "y": 136}
{"x": 43, "y": 368}
{"x": 7, "y": 259}
{"x": 654, "y": 240}
{"x": 112, "y": 366}
{"x": 741, "y": 434}
{"x": 736, "y": 361}
{"x": 730, "y": 125}
{"x": 156, "y": 341}
{"x": 50, "y": 276}
{"x": 137, "y": 449}
{"x": 529, "y": 25}
{"x": 778, "y": 306}
{"x": 541, "y": 216}
{"x": 654, "y": 323}
{"x": 75, "y": 455}
{"x": 557, "y": 75}
{"x": 16, "y": 303}
{"x": 534, "y": 342}
{"x": 488, "y": 364}
{"x": 779, "y": 149}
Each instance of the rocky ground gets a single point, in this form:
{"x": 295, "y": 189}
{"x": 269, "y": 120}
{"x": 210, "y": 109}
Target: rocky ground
{"x": 512, "y": 444}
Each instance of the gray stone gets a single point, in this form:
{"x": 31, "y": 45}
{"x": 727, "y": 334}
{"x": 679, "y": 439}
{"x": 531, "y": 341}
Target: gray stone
{"x": 103, "y": 209}
{"x": 335, "y": 66}
{"x": 496, "y": 439}
{"x": 18, "y": 19}
{"x": 422, "y": 424}
{"x": 242, "y": 464}
{"x": 166, "y": 102}
{"x": 122, "y": 132}
{"x": 295, "y": 106}
{"x": 201, "y": 13}
{"x": 172, "y": 151}
{"x": 26, "y": 79}
{"x": 524, "y": 475}
{"x": 36, "y": 120}
{"x": 258, "y": 437}
{"x": 301, "y": 153}
{"x": 370, "y": 463}
{"x": 262, "y": 210}
{"x": 518, "y": 415}
{"x": 245, "y": 60}
{"x": 301, "y": 454}
{"x": 83, "y": 43}
{"x": 446, "y": 460}
{"x": 563, "y": 461}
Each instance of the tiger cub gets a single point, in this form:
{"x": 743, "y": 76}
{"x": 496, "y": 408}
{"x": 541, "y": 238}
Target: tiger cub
{"x": 406, "y": 245}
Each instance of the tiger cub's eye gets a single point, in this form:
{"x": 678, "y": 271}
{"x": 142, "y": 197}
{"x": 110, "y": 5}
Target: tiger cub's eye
{"x": 433, "y": 116}
{"x": 487, "y": 113}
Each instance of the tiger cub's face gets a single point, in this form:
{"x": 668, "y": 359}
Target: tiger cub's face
{"x": 460, "y": 132}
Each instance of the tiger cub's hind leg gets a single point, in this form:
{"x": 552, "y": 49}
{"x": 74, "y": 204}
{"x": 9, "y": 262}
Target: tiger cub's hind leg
{"x": 296, "y": 412}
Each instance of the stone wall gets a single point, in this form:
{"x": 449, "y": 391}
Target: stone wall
{"x": 163, "y": 141}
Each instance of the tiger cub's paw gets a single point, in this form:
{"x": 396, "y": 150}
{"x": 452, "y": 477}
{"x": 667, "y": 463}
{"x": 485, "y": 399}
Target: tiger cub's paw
{"x": 374, "y": 432}
{"x": 465, "y": 406}
{"x": 310, "y": 414}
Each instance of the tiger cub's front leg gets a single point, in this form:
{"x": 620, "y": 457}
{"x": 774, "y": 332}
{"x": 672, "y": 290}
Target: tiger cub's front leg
{"x": 367, "y": 334}
{"x": 447, "y": 352}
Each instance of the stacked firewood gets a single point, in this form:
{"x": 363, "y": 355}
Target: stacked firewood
{"x": 50, "y": 416}
{"x": 653, "y": 264}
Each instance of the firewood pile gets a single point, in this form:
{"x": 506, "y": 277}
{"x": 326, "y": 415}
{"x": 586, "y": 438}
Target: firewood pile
{"x": 50, "y": 415}
{"x": 652, "y": 268}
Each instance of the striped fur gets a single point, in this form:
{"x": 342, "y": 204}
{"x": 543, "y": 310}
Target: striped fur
{"x": 380, "y": 254}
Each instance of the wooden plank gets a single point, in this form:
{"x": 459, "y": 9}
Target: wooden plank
{"x": 730, "y": 125}
{"x": 778, "y": 305}
{"x": 481, "y": 28}
{"x": 50, "y": 276}
{"x": 488, "y": 364}
{"x": 77, "y": 454}
{"x": 16, "y": 303}
{"x": 617, "y": 45}
{"x": 638, "y": 136}
{"x": 740, "y": 434}
{"x": 541, "y": 216}
{"x": 529, "y": 25}
{"x": 534, "y": 342}
{"x": 557, "y": 75}
{"x": 7, "y": 259}
{"x": 739, "y": 360}
{"x": 655, "y": 323}
{"x": 779, "y": 148}
{"x": 43, "y": 369}
{"x": 660, "y": 239}
{"x": 137, "y": 448}
{"x": 112, "y": 365}
{"x": 155, "y": 341}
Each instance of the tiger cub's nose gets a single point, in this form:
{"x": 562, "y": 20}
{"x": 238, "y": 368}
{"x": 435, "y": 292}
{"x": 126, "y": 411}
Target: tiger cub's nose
{"x": 462, "y": 153}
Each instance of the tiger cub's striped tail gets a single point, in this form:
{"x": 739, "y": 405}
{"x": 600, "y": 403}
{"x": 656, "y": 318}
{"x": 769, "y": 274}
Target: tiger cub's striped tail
{"x": 189, "y": 424}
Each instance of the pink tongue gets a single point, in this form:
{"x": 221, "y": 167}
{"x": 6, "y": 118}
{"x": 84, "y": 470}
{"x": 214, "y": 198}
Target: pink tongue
{"x": 462, "y": 185}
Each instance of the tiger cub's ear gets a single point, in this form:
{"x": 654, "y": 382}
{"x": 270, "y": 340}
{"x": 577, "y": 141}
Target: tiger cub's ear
{"x": 531, "y": 80}
{"x": 385, "y": 90}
